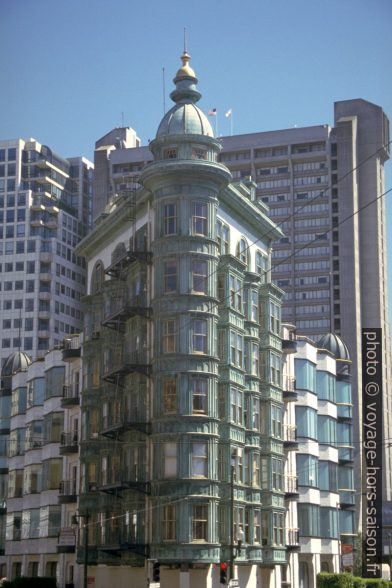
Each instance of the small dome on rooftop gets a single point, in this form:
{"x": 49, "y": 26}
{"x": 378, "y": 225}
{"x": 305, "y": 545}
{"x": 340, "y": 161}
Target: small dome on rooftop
{"x": 16, "y": 362}
{"x": 185, "y": 119}
{"x": 333, "y": 343}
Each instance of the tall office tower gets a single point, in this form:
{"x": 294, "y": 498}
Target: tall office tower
{"x": 182, "y": 404}
{"x": 108, "y": 157}
{"x": 333, "y": 270}
{"x": 45, "y": 209}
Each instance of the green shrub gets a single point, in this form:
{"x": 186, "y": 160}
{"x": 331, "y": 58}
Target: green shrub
{"x": 327, "y": 580}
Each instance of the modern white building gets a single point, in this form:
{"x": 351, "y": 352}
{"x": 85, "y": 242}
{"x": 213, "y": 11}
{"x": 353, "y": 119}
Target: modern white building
{"x": 45, "y": 209}
{"x": 40, "y": 477}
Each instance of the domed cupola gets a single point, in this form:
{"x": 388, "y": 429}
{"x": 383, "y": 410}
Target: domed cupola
{"x": 334, "y": 344}
{"x": 185, "y": 118}
{"x": 18, "y": 361}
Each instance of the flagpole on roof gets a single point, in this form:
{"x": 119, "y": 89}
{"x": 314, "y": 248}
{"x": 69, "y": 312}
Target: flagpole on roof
{"x": 229, "y": 114}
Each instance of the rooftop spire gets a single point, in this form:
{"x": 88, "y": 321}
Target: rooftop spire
{"x": 185, "y": 80}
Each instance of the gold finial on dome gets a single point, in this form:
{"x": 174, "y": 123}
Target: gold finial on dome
{"x": 185, "y": 70}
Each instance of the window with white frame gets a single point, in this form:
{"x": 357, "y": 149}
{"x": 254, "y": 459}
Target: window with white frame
{"x": 170, "y": 276}
{"x": 278, "y": 528}
{"x": 276, "y": 421}
{"x": 169, "y": 460}
{"x": 170, "y": 395}
{"x": 169, "y": 336}
{"x": 242, "y": 251}
{"x": 170, "y": 218}
{"x": 275, "y": 369}
{"x": 236, "y": 406}
{"x": 256, "y": 413}
{"x": 236, "y": 349}
{"x": 274, "y": 312}
{"x": 235, "y": 290}
{"x": 199, "y": 218}
{"x": 199, "y": 276}
{"x": 169, "y": 522}
{"x": 199, "y": 335}
{"x": 255, "y": 469}
{"x": 277, "y": 467}
{"x": 254, "y": 306}
{"x": 199, "y": 522}
{"x": 256, "y": 526}
{"x": 223, "y": 237}
{"x": 199, "y": 395}
{"x": 199, "y": 460}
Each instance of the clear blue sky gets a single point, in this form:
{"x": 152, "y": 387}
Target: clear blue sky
{"x": 70, "y": 68}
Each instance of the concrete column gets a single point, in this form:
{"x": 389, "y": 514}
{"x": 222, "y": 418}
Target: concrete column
{"x": 185, "y": 579}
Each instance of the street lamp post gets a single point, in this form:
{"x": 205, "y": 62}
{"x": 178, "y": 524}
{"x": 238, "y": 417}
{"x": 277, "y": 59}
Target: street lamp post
{"x": 232, "y": 471}
{"x": 390, "y": 556}
{"x": 85, "y": 517}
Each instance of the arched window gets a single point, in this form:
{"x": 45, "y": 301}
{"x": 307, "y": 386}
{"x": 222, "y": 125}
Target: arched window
{"x": 97, "y": 278}
{"x": 242, "y": 250}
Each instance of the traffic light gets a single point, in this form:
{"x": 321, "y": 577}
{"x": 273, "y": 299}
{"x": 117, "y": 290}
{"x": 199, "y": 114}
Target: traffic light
{"x": 223, "y": 572}
{"x": 156, "y": 571}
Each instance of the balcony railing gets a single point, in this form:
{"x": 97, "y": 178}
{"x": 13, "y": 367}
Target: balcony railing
{"x": 115, "y": 270}
{"x": 288, "y": 387}
{"x": 70, "y": 396}
{"x": 291, "y": 486}
{"x": 69, "y": 443}
{"x": 115, "y": 425}
{"x": 292, "y": 538}
{"x": 71, "y": 347}
{"x": 124, "y": 308}
{"x": 116, "y": 480}
{"x": 68, "y": 491}
{"x": 130, "y": 362}
{"x": 121, "y": 537}
{"x": 290, "y": 437}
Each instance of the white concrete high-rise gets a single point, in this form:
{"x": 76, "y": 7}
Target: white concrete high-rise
{"x": 45, "y": 209}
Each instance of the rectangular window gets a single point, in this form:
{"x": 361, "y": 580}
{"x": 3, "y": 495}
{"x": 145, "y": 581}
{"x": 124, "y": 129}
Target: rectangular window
{"x": 255, "y": 413}
{"x": 199, "y": 460}
{"x": 277, "y": 468}
{"x": 276, "y": 421}
{"x": 257, "y": 526}
{"x": 278, "y": 528}
{"x": 170, "y": 219}
{"x": 169, "y": 336}
{"x": 170, "y": 395}
{"x": 199, "y": 395}
{"x": 199, "y": 218}
{"x": 235, "y": 291}
{"x": 274, "y": 310}
{"x": 199, "y": 276}
{"x": 200, "y": 522}
{"x": 169, "y": 460}
{"x": 199, "y": 336}
{"x": 275, "y": 369}
{"x": 236, "y": 349}
{"x": 170, "y": 276}
{"x": 169, "y": 523}
{"x": 236, "y": 406}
